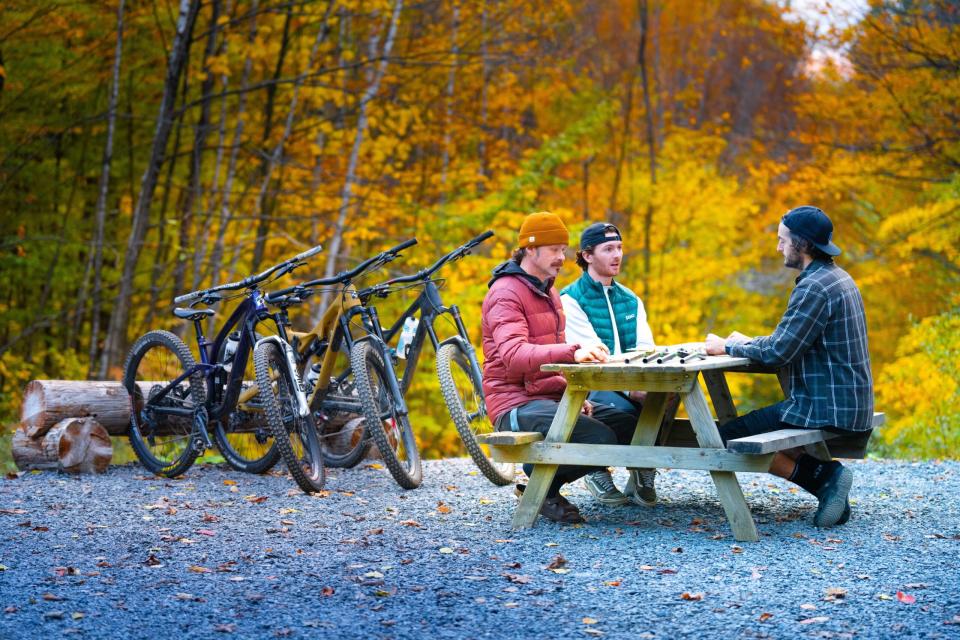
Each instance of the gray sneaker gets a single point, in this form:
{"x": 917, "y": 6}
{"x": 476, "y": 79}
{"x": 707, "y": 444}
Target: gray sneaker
{"x": 640, "y": 487}
{"x": 600, "y": 484}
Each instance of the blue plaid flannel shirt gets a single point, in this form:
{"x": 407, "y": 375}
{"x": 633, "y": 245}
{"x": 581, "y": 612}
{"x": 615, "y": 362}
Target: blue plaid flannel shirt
{"x": 822, "y": 338}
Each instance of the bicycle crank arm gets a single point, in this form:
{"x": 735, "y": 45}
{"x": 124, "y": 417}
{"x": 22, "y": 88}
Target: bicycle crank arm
{"x": 201, "y": 437}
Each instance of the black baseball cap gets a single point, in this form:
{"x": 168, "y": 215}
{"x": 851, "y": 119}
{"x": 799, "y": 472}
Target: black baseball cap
{"x": 598, "y": 233}
{"x": 810, "y": 223}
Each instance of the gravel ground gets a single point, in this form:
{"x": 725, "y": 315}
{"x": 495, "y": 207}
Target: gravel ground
{"x": 130, "y": 555}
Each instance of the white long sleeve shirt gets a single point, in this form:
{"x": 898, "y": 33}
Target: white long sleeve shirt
{"x": 580, "y": 331}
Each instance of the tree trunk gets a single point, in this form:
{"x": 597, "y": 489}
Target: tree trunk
{"x": 347, "y": 193}
{"x": 450, "y": 92}
{"x": 104, "y": 188}
{"x": 74, "y": 445}
{"x": 116, "y": 335}
{"x": 651, "y": 146}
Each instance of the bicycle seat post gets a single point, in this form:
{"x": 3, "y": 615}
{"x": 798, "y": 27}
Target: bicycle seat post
{"x": 202, "y": 342}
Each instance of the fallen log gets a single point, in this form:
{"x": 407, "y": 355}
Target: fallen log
{"x": 73, "y": 445}
{"x": 47, "y": 402}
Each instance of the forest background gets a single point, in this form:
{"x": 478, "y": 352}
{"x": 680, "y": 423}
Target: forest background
{"x": 152, "y": 147}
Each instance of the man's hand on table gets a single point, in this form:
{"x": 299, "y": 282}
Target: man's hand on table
{"x": 717, "y": 346}
{"x": 592, "y": 353}
{"x": 638, "y": 396}
{"x": 587, "y": 408}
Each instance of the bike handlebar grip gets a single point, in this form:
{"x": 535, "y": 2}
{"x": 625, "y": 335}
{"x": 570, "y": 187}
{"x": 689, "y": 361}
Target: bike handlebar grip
{"x": 309, "y": 253}
{"x": 480, "y": 238}
{"x": 187, "y": 297}
{"x": 403, "y": 245}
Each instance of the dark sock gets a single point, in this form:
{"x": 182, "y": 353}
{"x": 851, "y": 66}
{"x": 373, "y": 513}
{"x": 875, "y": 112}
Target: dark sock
{"x": 811, "y": 474}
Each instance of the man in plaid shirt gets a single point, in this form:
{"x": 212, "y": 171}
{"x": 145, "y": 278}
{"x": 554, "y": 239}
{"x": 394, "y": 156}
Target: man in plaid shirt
{"x": 822, "y": 338}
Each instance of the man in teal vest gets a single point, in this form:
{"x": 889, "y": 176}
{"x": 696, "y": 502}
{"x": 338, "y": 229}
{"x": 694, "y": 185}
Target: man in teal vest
{"x": 598, "y": 309}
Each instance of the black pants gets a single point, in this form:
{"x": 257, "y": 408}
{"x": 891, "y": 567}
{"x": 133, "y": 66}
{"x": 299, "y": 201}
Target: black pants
{"x": 763, "y": 420}
{"x": 607, "y": 426}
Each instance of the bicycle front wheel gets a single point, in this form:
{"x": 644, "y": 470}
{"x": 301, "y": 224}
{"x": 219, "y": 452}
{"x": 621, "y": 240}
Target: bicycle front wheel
{"x": 463, "y": 393}
{"x": 162, "y": 416}
{"x": 243, "y": 438}
{"x": 295, "y": 435}
{"x": 390, "y": 430}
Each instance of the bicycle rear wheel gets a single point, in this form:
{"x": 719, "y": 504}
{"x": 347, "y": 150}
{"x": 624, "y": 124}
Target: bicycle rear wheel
{"x": 463, "y": 393}
{"x": 295, "y": 436}
{"x": 343, "y": 433}
{"x": 390, "y": 430}
{"x": 243, "y": 438}
{"x": 161, "y": 424}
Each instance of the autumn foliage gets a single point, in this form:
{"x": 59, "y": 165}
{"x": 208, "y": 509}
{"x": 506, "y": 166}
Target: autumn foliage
{"x": 218, "y": 137}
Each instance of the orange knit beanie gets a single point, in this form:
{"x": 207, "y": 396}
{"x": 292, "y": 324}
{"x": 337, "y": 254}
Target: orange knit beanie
{"x": 542, "y": 228}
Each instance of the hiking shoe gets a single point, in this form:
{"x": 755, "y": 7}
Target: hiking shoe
{"x": 561, "y": 510}
{"x": 846, "y": 514}
{"x": 833, "y": 498}
{"x": 558, "y": 508}
{"x": 600, "y": 484}
{"x": 640, "y": 487}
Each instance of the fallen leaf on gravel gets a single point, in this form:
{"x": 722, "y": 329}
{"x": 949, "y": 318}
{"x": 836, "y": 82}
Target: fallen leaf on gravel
{"x": 255, "y": 499}
{"x": 41, "y": 528}
{"x": 808, "y": 606}
{"x": 195, "y": 568}
{"x": 686, "y": 595}
{"x": 287, "y": 511}
{"x": 589, "y": 621}
{"x": 13, "y": 512}
{"x": 736, "y": 549}
{"x": 889, "y": 537}
{"x": 442, "y": 508}
{"x": 52, "y": 597}
{"x": 510, "y": 605}
{"x": 884, "y": 596}
{"x": 446, "y": 550}
{"x": 954, "y": 620}
{"x": 816, "y": 620}
{"x": 375, "y": 532}
{"x": 152, "y": 561}
{"x": 667, "y": 571}
{"x": 905, "y": 598}
{"x": 230, "y": 483}
{"x": 327, "y": 591}
{"x": 207, "y": 517}
{"x": 227, "y": 567}
{"x": 677, "y": 549}
{"x": 13, "y": 609}
{"x": 316, "y": 494}
{"x": 288, "y": 523}
{"x": 593, "y": 632}
{"x": 66, "y": 571}
{"x": 225, "y": 628}
{"x": 647, "y": 567}
{"x": 53, "y": 615}
{"x": 183, "y": 596}
{"x": 612, "y": 583}
{"x": 557, "y": 562}
{"x": 755, "y": 574}
{"x": 504, "y": 540}
{"x": 486, "y": 501}
{"x": 916, "y": 585}
{"x": 206, "y": 532}
{"x": 765, "y": 616}
{"x": 517, "y": 578}
{"x": 373, "y": 574}
{"x": 410, "y": 523}
{"x": 373, "y": 465}
{"x": 836, "y": 593}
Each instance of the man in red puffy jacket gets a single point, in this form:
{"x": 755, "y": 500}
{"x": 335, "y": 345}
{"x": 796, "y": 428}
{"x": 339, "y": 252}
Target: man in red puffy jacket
{"x": 523, "y": 328}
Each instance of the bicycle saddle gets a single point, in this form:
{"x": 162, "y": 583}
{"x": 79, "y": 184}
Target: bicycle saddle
{"x": 192, "y": 314}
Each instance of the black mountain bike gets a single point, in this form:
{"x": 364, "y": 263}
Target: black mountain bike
{"x": 457, "y": 368}
{"x": 323, "y": 357}
{"x": 175, "y": 399}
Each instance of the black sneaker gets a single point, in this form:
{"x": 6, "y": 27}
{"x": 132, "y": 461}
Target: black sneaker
{"x": 833, "y": 499}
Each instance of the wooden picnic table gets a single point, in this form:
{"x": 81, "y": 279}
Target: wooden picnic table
{"x": 706, "y": 451}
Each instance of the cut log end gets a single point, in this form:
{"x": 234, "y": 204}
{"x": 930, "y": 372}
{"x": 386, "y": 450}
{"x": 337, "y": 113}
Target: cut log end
{"x": 73, "y": 445}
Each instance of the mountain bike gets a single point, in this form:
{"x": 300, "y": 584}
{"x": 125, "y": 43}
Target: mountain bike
{"x": 329, "y": 383}
{"x": 174, "y": 398}
{"x": 457, "y": 368}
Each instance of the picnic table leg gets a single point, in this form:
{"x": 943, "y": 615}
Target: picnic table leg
{"x": 720, "y": 395}
{"x": 543, "y": 474}
{"x": 728, "y": 489}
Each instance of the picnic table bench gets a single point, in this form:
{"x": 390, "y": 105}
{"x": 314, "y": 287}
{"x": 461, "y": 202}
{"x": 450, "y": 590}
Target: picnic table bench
{"x": 660, "y": 440}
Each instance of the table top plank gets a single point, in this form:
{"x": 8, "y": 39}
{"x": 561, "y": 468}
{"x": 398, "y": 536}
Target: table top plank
{"x": 636, "y": 366}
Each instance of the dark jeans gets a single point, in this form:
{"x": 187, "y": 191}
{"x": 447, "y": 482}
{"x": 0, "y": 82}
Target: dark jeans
{"x": 607, "y": 426}
{"x": 616, "y": 400}
{"x": 762, "y": 420}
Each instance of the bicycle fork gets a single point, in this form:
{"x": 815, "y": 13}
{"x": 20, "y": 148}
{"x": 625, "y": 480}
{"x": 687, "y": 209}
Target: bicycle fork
{"x": 290, "y": 360}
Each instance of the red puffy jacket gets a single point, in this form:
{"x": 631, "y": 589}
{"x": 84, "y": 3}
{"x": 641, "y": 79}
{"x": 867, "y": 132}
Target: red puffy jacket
{"x": 522, "y": 329}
